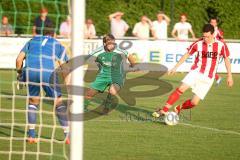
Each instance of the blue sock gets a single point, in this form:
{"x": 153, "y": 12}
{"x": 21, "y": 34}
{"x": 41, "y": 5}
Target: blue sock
{"x": 32, "y": 119}
{"x": 31, "y": 133}
{"x": 61, "y": 112}
{"x": 32, "y": 115}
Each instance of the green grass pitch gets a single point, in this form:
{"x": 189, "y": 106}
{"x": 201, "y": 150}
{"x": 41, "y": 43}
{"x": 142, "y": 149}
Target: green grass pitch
{"x": 129, "y": 132}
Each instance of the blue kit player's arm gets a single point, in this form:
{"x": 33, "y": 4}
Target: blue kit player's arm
{"x": 19, "y": 64}
{"x": 61, "y": 54}
{"x": 20, "y": 58}
{"x": 61, "y": 57}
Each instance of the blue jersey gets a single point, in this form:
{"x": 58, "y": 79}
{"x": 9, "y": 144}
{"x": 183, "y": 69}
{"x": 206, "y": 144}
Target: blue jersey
{"x": 42, "y": 52}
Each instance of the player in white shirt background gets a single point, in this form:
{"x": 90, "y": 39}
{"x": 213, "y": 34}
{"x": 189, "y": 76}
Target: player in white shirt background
{"x": 141, "y": 29}
{"x": 89, "y": 29}
{"x": 182, "y": 29}
{"x": 118, "y": 26}
{"x": 65, "y": 27}
{"x": 159, "y": 28}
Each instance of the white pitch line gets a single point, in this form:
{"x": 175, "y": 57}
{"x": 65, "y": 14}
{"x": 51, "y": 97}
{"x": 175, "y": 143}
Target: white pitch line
{"x": 212, "y": 129}
{"x": 184, "y": 124}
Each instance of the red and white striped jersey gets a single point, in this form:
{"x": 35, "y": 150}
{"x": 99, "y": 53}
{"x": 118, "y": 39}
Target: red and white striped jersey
{"x": 218, "y": 33}
{"x": 208, "y": 55}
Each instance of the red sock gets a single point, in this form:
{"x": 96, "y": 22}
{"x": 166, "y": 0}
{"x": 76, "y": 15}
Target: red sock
{"x": 216, "y": 77}
{"x": 174, "y": 97}
{"x": 165, "y": 109}
{"x": 187, "y": 104}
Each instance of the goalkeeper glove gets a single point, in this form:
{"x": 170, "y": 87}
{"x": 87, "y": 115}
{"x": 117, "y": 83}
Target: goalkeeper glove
{"x": 19, "y": 79}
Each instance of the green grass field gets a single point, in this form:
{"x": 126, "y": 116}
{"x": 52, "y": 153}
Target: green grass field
{"x": 129, "y": 132}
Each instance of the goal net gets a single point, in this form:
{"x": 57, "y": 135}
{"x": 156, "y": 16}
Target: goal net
{"x": 14, "y": 96}
{"x": 14, "y": 124}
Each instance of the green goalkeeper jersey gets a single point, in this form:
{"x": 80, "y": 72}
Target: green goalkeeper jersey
{"x": 111, "y": 64}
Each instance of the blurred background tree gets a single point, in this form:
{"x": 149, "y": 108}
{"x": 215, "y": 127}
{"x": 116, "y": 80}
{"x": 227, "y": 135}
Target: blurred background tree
{"x": 22, "y": 13}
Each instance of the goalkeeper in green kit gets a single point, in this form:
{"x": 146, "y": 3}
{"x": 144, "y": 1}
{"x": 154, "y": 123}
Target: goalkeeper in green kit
{"x": 110, "y": 60}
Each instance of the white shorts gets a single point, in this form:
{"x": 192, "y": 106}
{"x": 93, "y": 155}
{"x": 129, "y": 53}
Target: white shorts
{"x": 199, "y": 83}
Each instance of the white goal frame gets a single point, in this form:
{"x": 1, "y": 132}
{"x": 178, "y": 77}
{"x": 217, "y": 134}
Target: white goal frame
{"x": 77, "y": 37}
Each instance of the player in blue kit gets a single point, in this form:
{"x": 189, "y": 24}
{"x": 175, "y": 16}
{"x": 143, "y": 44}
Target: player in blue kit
{"x": 40, "y": 55}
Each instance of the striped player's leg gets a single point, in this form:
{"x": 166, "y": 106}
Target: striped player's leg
{"x": 188, "y": 81}
{"x": 174, "y": 97}
{"x": 200, "y": 90}
{"x": 218, "y": 79}
{"x": 188, "y": 104}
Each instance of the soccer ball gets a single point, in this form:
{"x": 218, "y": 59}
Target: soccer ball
{"x": 171, "y": 118}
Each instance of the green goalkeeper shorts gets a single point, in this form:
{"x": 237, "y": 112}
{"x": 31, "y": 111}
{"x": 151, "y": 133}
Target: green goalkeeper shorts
{"x": 101, "y": 83}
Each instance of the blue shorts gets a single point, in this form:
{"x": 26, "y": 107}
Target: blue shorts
{"x": 51, "y": 86}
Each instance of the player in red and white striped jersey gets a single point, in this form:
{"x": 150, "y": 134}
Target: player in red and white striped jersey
{"x": 208, "y": 51}
{"x": 218, "y": 33}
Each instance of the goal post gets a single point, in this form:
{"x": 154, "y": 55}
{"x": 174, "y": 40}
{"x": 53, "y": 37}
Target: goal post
{"x": 14, "y": 101}
{"x": 78, "y": 18}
